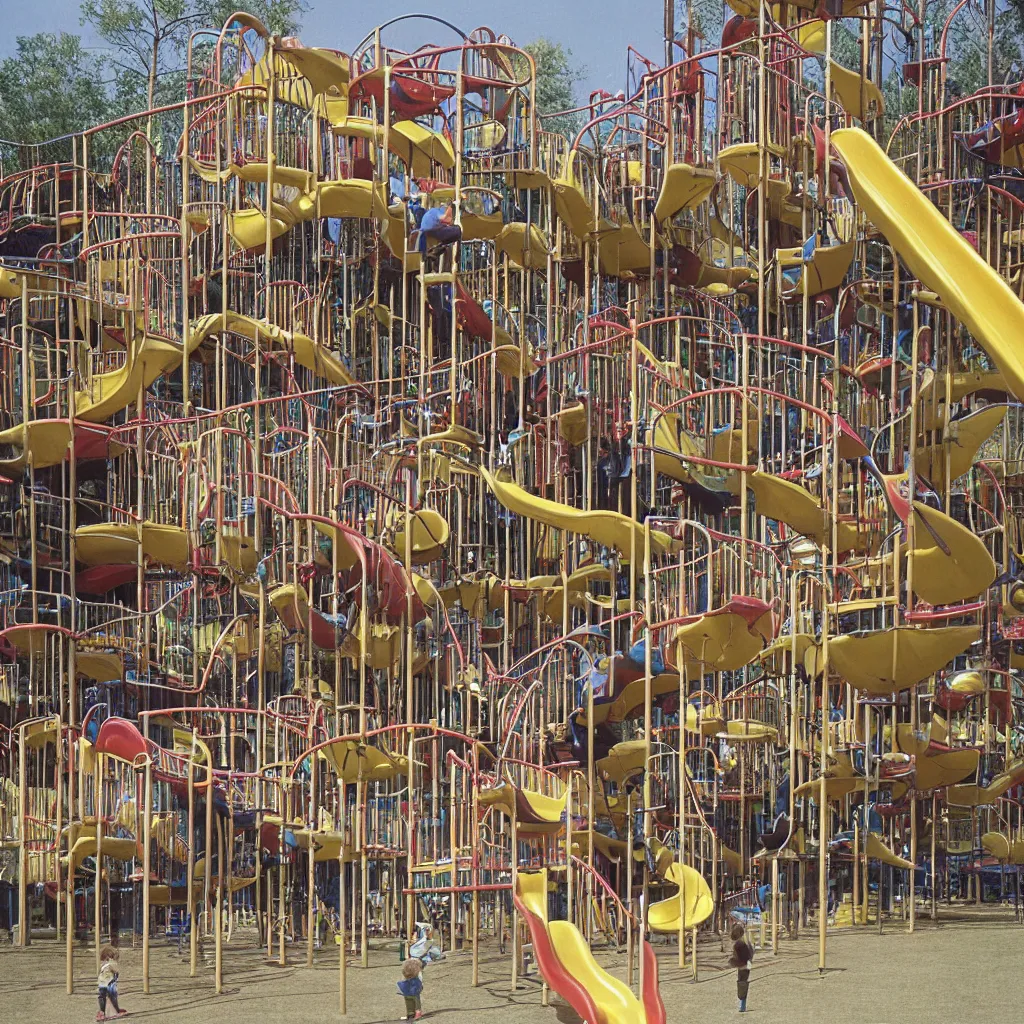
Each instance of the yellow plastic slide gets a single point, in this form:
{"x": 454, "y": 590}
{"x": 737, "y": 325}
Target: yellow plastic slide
{"x": 238, "y": 882}
{"x": 675, "y": 447}
{"x": 623, "y": 761}
{"x": 610, "y": 529}
{"x": 824, "y": 271}
{"x": 995, "y": 844}
{"x": 535, "y": 812}
{"x": 568, "y": 966}
{"x": 859, "y": 96}
{"x": 877, "y": 850}
{"x": 328, "y": 845}
{"x": 122, "y": 543}
{"x": 932, "y": 393}
{"x": 147, "y": 358}
{"x": 683, "y": 188}
{"x": 354, "y": 761}
{"x": 615, "y": 1000}
{"x": 631, "y": 697}
{"x": 887, "y": 661}
{"x": 574, "y": 207}
{"x": 307, "y": 353}
{"x": 963, "y": 438}
{"x": 936, "y": 253}
{"x": 690, "y": 906}
{"x": 430, "y": 532}
{"x": 553, "y": 596}
{"x": 722, "y": 640}
{"x": 46, "y": 443}
{"x": 840, "y": 780}
{"x": 979, "y": 796}
{"x": 939, "y": 768}
{"x": 793, "y": 505}
{"x": 114, "y": 847}
{"x": 950, "y": 562}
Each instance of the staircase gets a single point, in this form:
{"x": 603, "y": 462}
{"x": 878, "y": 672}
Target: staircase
{"x": 845, "y": 913}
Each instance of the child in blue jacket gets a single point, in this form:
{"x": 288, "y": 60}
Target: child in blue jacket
{"x": 411, "y": 986}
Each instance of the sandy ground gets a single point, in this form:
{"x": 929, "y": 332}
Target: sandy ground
{"x": 961, "y": 971}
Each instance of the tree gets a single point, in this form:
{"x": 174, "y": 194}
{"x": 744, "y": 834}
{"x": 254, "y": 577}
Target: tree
{"x": 557, "y": 78}
{"x": 50, "y": 87}
{"x": 706, "y": 17}
{"x": 149, "y": 38}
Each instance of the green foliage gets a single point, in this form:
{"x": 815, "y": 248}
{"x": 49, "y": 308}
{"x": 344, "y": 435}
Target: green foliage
{"x": 149, "y": 39}
{"x": 967, "y": 45}
{"x": 557, "y": 78}
{"x": 707, "y": 17}
{"x": 142, "y": 35}
{"x": 556, "y": 75}
{"x": 50, "y": 87}
{"x": 846, "y": 45}
{"x": 282, "y": 17}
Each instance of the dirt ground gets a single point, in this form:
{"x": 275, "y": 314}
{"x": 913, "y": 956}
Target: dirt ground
{"x": 959, "y": 971}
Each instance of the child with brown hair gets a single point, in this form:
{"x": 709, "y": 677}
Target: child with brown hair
{"x": 106, "y": 983}
{"x": 410, "y": 987}
{"x": 742, "y": 954}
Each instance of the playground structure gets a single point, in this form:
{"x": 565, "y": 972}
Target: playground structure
{"x": 658, "y": 542}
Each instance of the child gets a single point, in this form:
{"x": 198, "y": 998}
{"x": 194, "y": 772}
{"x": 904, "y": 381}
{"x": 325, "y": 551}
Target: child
{"x": 411, "y": 986}
{"x": 742, "y": 954}
{"x": 107, "y": 983}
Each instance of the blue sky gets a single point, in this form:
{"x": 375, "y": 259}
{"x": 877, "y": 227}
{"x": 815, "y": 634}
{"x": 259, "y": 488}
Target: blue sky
{"x": 598, "y": 32}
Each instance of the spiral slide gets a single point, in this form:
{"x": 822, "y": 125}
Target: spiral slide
{"x": 568, "y": 966}
{"x": 692, "y": 905}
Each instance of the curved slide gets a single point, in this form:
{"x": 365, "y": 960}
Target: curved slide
{"x": 995, "y": 844}
{"x": 726, "y": 638}
{"x": 886, "y": 661}
{"x": 980, "y": 796}
{"x": 692, "y": 905}
{"x": 950, "y": 562}
{"x": 307, "y": 353}
{"x": 535, "y": 812}
{"x": 877, "y": 850}
{"x": 936, "y": 253}
{"x": 666, "y": 917}
{"x": 569, "y": 968}
{"x": 108, "y": 393}
{"x": 604, "y": 527}
{"x": 291, "y": 604}
{"x": 795, "y": 506}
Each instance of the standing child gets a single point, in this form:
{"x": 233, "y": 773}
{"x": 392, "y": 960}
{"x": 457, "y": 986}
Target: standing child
{"x": 106, "y": 983}
{"x": 411, "y": 986}
{"x": 742, "y": 954}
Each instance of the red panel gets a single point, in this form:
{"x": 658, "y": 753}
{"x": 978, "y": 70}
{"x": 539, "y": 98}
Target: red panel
{"x": 750, "y": 608}
{"x": 91, "y": 443}
{"x": 386, "y": 578}
{"x": 270, "y": 839}
{"x": 101, "y": 579}
{"x": 412, "y": 97}
{"x": 323, "y": 632}
{"x": 654, "y": 1007}
{"x": 120, "y": 738}
{"x": 737, "y": 29}
{"x": 471, "y": 316}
